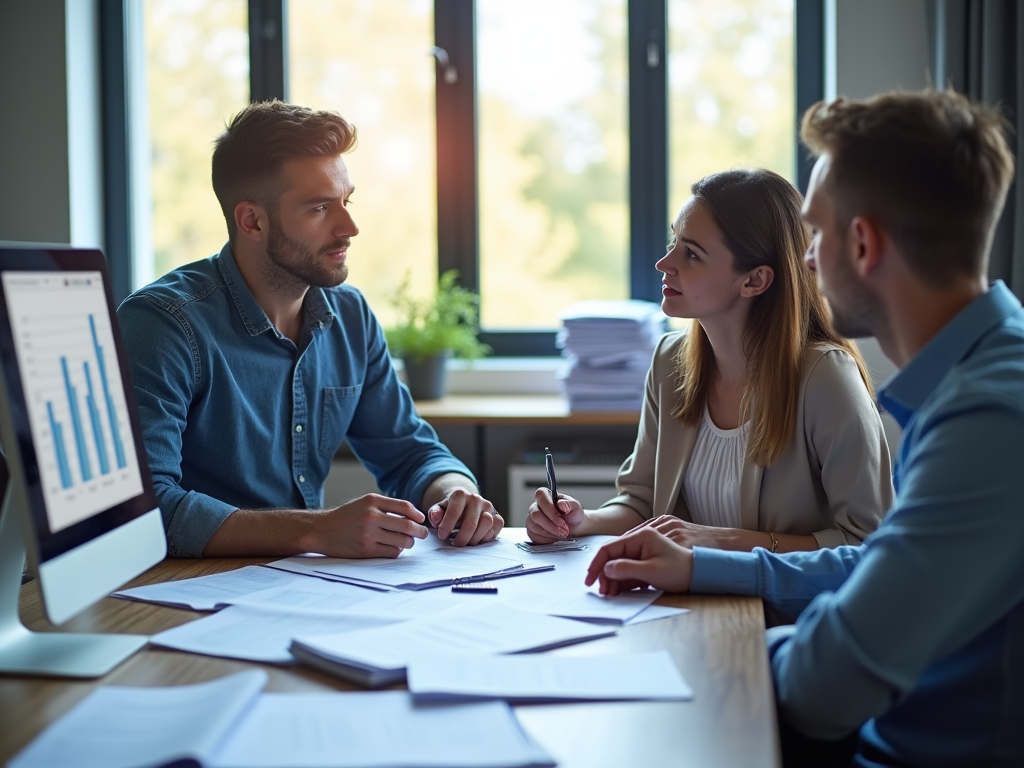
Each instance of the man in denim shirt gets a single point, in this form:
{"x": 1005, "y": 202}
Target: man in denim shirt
{"x": 251, "y": 368}
{"x": 914, "y": 642}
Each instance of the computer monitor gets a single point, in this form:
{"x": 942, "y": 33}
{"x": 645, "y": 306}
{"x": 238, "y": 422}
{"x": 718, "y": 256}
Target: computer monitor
{"x": 79, "y": 502}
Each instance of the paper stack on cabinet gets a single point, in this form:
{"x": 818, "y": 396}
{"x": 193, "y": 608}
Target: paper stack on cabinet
{"x": 609, "y": 345}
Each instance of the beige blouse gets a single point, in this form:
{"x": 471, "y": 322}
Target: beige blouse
{"x": 833, "y": 481}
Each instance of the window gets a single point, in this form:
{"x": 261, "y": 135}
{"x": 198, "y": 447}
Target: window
{"x": 370, "y": 62}
{"x": 546, "y": 168}
{"x": 552, "y": 100}
{"x": 196, "y": 75}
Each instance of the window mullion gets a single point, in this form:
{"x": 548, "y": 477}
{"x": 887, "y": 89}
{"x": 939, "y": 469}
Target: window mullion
{"x": 810, "y": 74}
{"x": 268, "y": 76}
{"x": 458, "y": 240}
{"x": 648, "y": 144}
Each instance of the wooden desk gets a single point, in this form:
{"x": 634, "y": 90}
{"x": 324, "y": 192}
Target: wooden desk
{"x": 520, "y": 410}
{"x": 719, "y": 648}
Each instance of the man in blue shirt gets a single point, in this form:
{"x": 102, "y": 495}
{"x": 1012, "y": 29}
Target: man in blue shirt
{"x": 251, "y": 367}
{"x": 915, "y": 641}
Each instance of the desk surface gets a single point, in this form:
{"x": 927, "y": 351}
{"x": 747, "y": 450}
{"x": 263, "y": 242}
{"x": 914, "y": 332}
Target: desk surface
{"x": 516, "y": 409}
{"x": 719, "y": 648}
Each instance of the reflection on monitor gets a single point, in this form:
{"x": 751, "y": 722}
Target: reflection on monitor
{"x": 80, "y": 500}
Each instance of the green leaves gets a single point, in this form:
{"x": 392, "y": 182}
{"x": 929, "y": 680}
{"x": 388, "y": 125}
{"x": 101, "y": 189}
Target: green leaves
{"x": 448, "y": 322}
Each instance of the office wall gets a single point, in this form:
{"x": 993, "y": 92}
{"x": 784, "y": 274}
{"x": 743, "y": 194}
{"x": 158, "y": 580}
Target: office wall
{"x": 50, "y": 153}
{"x": 877, "y": 46}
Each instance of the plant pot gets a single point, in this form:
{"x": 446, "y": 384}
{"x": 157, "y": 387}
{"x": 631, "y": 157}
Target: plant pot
{"x": 426, "y": 377}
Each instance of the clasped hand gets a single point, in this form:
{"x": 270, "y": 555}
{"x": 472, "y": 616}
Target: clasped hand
{"x": 475, "y": 518}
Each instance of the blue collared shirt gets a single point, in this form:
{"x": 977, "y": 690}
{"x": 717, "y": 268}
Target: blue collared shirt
{"x": 917, "y": 637}
{"x": 236, "y": 416}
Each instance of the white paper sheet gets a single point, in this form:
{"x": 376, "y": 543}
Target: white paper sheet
{"x": 115, "y": 727}
{"x": 376, "y": 730}
{"x": 257, "y": 633}
{"x": 492, "y": 628}
{"x": 543, "y": 677}
{"x": 205, "y": 593}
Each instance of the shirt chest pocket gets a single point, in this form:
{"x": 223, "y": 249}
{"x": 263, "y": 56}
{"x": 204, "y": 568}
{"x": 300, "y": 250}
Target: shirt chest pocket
{"x": 339, "y": 405}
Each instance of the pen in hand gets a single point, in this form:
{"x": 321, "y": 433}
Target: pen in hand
{"x": 549, "y": 466}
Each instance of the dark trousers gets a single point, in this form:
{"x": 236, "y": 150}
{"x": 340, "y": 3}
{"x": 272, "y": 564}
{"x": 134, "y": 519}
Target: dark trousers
{"x": 799, "y": 751}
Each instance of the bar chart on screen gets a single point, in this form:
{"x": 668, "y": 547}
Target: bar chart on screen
{"x": 77, "y": 413}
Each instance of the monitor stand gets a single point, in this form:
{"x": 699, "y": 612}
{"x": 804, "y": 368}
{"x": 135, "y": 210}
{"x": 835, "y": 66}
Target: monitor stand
{"x": 52, "y": 654}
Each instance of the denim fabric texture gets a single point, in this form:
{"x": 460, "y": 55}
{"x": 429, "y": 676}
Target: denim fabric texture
{"x": 236, "y": 416}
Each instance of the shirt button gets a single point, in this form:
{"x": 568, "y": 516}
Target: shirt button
{"x": 298, "y": 427}
{"x": 302, "y": 478}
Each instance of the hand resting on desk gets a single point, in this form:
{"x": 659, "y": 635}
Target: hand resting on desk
{"x": 369, "y": 526}
{"x": 639, "y": 559}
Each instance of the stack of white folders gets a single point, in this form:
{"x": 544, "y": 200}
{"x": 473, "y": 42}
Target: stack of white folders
{"x": 379, "y": 656}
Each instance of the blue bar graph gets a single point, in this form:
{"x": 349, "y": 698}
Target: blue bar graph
{"x": 76, "y": 422}
{"x": 114, "y": 434}
{"x": 97, "y": 429}
{"x": 58, "y": 444}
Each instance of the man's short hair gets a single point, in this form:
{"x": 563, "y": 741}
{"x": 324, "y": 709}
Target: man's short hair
{"x": 248, "y": 155}
{"x": 931, "y": 168}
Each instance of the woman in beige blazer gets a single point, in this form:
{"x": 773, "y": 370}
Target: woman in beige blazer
{"x": 758, "y": 427}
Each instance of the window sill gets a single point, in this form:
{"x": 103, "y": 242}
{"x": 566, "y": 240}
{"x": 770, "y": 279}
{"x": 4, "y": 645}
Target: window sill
{"x": 501, "y": 375}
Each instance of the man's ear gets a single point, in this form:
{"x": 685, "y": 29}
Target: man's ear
{"x": 252, "y": 221}
{"x": 864, "y": 245}
{"x": 758, "y": 280}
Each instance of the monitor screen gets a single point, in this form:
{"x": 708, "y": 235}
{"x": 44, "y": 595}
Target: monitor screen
{"x": 70, "y": 397}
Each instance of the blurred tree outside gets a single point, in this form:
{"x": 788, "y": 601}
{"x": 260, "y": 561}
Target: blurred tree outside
{"x": 369, "y": 61}
{"x": 554, "y": 209}
{"x": 731, "y": 89}
{"x": 197, "y": 77}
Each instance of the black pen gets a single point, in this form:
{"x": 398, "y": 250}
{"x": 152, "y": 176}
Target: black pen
{"x": 549, "y": 465}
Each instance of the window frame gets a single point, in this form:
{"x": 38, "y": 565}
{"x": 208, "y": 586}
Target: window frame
{"x": 457, "y": 194}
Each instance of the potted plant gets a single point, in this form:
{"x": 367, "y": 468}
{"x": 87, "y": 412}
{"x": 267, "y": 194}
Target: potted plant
{"x": 429, "y": 331}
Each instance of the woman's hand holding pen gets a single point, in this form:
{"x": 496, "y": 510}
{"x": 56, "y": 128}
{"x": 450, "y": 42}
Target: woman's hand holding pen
{"x": 547, "y": 522}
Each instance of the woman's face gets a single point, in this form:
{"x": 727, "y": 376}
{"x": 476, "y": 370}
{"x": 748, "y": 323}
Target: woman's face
{"x": 699, "y": 281}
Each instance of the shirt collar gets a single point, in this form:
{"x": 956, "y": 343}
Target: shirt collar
{"x": 318, "y": 311}
{"x": 904, "y": 393}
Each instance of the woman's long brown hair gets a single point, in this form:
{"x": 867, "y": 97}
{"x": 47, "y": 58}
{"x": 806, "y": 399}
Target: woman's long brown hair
{"x": 758, "y": 213}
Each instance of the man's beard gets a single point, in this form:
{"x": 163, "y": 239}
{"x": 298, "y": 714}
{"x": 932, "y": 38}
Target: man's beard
{"x": 300, "y": 263}
{"x": 857, "y": 313}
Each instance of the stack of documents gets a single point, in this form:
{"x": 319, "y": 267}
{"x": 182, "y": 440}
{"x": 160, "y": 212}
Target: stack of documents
{"x": 228, "y": 723}
{"x": 379, "y": 656}
{"x": 609, "y": 345}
